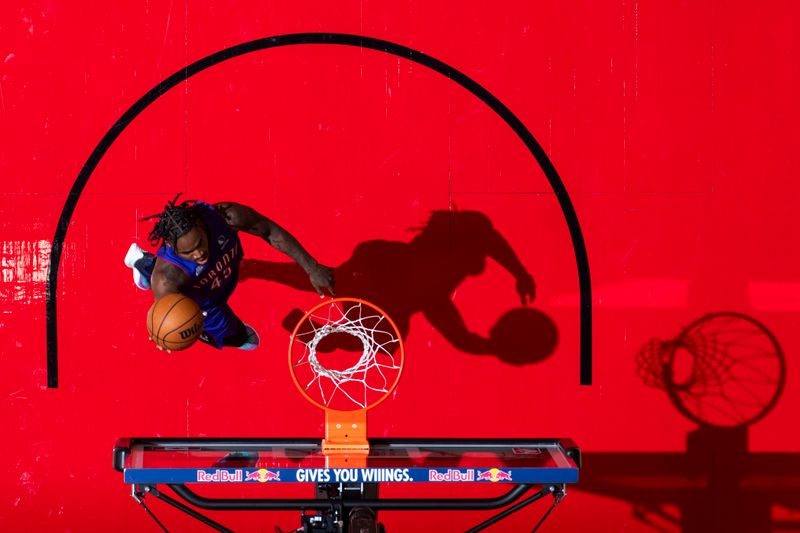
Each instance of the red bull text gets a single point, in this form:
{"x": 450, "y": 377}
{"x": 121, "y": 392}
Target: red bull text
{"x": 220, "y": 476}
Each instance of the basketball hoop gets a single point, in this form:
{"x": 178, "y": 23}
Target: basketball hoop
{"x": 346, "y": 356}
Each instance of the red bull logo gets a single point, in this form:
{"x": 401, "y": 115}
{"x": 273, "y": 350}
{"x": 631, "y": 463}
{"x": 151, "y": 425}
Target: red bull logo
{"x": 494, "y": 475}
{"x": 262, "y": 475}
{"x": 224, "y": 476}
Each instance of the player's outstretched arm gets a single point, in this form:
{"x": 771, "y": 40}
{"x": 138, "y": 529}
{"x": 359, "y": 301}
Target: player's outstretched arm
{"x": 167, "y": 278}
{"x": 501, "y": 251}
{"x": 243, "y": 218}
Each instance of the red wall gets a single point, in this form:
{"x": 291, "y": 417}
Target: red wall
{"x": 671, "y": 126}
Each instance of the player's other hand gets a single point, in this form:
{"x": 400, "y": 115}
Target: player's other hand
{"x": 526, "y": 288}
{"x": 322, "y": 278}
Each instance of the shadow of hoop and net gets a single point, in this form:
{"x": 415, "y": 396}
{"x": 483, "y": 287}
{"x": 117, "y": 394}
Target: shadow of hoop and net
{"x": 724, "y": 372}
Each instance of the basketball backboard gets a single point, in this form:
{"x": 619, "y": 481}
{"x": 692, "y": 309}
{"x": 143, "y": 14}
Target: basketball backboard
{"x": 148, "y": 463}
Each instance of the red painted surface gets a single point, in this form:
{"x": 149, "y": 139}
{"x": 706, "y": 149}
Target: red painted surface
{"x": 673, "y": 128}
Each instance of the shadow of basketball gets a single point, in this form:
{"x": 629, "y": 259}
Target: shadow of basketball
{"x": 523, "y": 336}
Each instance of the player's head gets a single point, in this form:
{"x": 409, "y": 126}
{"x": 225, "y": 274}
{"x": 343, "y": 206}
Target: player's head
{"x": 181, "y": 227}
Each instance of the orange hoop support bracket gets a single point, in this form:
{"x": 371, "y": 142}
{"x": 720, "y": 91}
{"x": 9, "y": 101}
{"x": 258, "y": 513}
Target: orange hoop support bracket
{"x": 345, "y": 392}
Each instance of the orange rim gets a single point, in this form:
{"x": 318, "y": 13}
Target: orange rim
{"x": 335, "y": 301}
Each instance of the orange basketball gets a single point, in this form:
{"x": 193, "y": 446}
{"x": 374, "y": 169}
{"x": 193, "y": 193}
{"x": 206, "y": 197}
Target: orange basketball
{"x": 174, "y": 321}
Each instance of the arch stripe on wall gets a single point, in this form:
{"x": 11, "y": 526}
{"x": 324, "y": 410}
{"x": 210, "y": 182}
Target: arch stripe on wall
{"x": 536, "y": 150}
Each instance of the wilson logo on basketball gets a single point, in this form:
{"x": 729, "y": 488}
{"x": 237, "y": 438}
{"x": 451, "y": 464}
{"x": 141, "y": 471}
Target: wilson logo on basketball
{"x": 188, "y": 332}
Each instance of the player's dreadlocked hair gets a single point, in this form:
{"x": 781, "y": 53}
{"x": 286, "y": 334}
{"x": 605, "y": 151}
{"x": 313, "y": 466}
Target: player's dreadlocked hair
{"x": 175, "y": 221}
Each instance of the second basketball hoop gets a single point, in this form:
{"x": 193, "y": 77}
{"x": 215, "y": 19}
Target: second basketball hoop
{"x": 346, "y": 356}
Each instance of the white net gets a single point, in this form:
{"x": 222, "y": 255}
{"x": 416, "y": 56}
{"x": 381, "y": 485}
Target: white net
{"x": 325, "y": 356}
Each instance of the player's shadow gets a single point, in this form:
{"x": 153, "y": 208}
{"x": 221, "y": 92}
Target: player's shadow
{"x": 420, "y": 276}
{"x": 724, "y": 372}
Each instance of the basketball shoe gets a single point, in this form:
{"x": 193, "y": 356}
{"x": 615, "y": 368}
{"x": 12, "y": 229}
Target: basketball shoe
{"x": 252, "y": 341}
{"x": 141, "y": 263}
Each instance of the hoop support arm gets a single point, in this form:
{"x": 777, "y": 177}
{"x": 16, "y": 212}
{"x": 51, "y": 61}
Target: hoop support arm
{"x": 398, "y": 504}
{"x": 149, "y": 489}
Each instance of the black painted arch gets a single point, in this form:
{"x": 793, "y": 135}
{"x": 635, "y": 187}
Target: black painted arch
{"x": 339, "y": 39}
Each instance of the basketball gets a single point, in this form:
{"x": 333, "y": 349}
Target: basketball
{"x": 174, "y": 321}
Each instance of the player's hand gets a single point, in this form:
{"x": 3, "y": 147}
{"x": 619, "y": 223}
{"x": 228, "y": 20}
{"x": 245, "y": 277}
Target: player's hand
{"x": 159, "y": 346}
{"x": 322, "y": 278}
{"x": 526, "y": 288}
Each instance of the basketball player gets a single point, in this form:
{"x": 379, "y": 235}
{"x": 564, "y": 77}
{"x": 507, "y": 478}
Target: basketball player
{"x": 198, "y": 255}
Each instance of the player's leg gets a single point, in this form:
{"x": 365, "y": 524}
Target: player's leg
{"x": 244, "y": 338}
{"x": 222, "y": 327}
{"x": 142, "y": 264}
